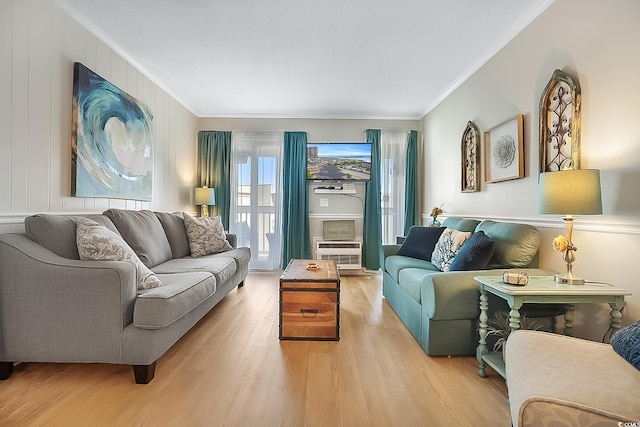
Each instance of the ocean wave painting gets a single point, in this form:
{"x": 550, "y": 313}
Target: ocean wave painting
{"x": 111, "y": 140}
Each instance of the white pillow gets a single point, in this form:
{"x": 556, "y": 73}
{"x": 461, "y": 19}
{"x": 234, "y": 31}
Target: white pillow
{"x": 97, "y": 243}
{"x": 206, "y": 235}
{"x": 448, "y": 245}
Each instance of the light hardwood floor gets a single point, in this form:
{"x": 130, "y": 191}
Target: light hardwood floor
{"x": 231, "y": 370}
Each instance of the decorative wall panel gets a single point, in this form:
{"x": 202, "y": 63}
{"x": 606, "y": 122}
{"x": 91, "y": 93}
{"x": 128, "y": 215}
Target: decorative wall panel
{"x": 560, "y": 124}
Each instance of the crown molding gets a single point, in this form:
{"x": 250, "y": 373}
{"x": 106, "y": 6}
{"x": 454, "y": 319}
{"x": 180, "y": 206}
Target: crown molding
{"x": 511, "y": 33}
{"x": 91, "y": 26}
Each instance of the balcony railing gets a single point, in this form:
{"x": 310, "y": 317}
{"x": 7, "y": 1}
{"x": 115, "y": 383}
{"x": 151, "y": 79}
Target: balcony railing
{"x": 260, "y": 242}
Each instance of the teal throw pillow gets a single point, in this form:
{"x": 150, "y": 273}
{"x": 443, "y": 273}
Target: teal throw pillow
{"x": 420, "y": 242}
{"x": 474, "y": 254}
{"x": 626, "y": 342}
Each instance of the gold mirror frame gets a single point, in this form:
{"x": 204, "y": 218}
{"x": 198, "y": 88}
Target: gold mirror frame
{"x": 470, "y": 158}
{"x": 560, "y": 124}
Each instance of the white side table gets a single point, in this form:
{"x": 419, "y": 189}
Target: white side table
{"x": 541, "y": 290}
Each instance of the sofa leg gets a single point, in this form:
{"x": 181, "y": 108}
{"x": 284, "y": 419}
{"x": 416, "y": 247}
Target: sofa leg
{"x": 241, "y": 284}
{"x": 144, "y": 373}
{"x": 6, "y": 369}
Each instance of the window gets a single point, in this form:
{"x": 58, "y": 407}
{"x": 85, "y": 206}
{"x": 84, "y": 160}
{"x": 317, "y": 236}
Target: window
{"x": 256, "y": 195}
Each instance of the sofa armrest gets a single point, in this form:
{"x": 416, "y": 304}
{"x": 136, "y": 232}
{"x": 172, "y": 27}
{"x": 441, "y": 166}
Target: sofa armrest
{"x": 233, "y": 240}
{"x": 608, "y": 393}
{"x": 455, "y": 294}
{"x": 58, "y": 309}
{"x": 388, "y": 250}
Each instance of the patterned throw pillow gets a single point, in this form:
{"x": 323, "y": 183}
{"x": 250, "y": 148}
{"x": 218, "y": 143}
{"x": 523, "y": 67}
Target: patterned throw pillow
{"x": 97, "y": 243}
{"x": 206, "y": 235}
{"x": 626, "y": 342}
{"x": 447, "y": 247}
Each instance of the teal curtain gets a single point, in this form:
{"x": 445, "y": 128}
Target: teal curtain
{"x": 214, "y": 170}
{"x": 411, "y": 184}
{"x": 296, "y": 243}
{"x": 372, "y": 233}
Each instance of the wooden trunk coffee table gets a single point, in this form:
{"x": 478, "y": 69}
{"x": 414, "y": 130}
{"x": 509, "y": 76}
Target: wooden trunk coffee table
{"x": 310, "y": 301}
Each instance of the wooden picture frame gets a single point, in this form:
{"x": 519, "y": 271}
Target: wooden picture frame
{"x": 504, "y": 150}
{"x": 470, "y": 148}
{"x": 560, "y": 124}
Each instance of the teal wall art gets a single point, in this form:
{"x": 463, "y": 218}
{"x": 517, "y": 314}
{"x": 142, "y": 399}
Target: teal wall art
{"x": 111, "y": 140}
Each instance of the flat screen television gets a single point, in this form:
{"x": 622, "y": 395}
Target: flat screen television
{"x": 338, "y": 161}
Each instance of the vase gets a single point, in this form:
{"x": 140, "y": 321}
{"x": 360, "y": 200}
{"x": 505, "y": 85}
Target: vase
{"x": 434, "y": 222}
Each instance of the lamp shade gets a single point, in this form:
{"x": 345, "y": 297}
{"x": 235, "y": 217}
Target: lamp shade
{"x": 570, "y": 192}
{"x": 205, "y": 196}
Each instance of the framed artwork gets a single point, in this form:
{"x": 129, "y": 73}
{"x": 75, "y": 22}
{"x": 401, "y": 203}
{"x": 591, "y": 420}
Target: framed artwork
{"x": 470, "y": 148}
{"x": 504, "y": 150}
{"x": 560, "y": 124}
{"x": 111, "y": 140}
{"x": 339, "y": 229}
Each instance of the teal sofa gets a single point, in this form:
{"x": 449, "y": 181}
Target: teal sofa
{"x": 441, "y": 309}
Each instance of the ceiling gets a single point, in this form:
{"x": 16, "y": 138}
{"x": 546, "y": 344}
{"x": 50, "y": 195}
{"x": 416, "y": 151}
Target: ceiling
{"x": 374, "y": 59}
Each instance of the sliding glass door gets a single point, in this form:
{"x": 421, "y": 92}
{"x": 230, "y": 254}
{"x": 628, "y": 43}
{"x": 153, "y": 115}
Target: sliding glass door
{"x": 393, "y": 151}
{"x": 256, "y": 195}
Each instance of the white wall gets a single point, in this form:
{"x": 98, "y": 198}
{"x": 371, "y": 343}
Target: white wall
{"x": 597, "y": 42}
{"x": 38, "y": 45}
{"x": 318, "y": 130}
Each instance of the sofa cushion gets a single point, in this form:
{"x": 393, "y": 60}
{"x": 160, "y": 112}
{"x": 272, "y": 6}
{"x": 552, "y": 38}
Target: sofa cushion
{"x": 58, "y": 232}
{"x": 173, "y": 226}
{"x": 222, "y": 267}
{"x": 447, "y": 247}
{"x": 97, "y": 243}
{"x": 206, "y": 235}
{"x": 474, "y": 254}
{"x": 420, "y": 242}
{"x": 394, "y": 264}
{"x": 181, "y": 293}
{"x": 240, "y": 255}
{"x": 516, "y": 245}
{"x": 461, "y": 224}
{"x": 144, "y": 233}
{"x": 626, "y": 342}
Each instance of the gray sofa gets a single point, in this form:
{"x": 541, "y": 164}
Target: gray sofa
{"x": 56, "y": 308}
{"x": 441, "y": 309}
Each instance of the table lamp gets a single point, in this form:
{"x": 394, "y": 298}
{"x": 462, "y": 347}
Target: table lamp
{"x": 205, "y": 197}
{"x": 570, "y": 192}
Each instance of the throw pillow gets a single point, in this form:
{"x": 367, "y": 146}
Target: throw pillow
{"x": 206, "y": 235}
{"x": 143, "y": 232}
{"x": 447, "y": 247}
{"x": 97, "y": 243}
{"x": 475, "y": 253}
{"x": 626, "y": 342}
{"x": 420, "y": 242}
{"x": 173, "y": 224}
